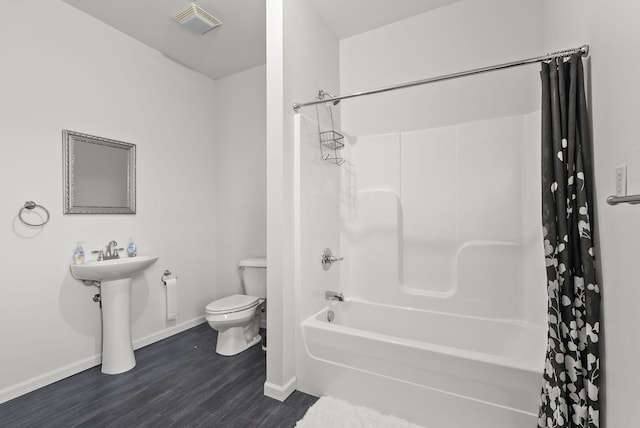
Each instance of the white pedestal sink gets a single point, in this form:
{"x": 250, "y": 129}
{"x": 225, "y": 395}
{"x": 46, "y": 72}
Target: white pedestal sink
{"x": 115, "y": 290}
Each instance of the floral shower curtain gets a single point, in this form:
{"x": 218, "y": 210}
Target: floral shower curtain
{"x": 572, "y": 369}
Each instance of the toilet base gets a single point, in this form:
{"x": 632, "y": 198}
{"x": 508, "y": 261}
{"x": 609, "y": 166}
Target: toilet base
{"x": 233, "y": 341}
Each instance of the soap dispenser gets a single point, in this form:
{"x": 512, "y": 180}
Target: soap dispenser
{"x": 78, "y": 255}
{"x": 132, "y": 249}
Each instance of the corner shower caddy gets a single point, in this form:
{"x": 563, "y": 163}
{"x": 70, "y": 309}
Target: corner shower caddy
{"x": 331, "y": 141}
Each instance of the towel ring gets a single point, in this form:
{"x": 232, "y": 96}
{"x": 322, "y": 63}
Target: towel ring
{"x": 29, "y": 205}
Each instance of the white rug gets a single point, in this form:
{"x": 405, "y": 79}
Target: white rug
{"x": 330, "y": 412}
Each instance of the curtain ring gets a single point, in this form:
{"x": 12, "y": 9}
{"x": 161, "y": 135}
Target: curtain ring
{"x": 29, "y": 205}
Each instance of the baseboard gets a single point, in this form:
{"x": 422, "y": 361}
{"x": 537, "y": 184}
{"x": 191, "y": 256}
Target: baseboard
{"x": 280, "y": 392}
{"x": 48, "y": 378}
{"x": 58, "y": 374}
{"x": 168, "y": 332}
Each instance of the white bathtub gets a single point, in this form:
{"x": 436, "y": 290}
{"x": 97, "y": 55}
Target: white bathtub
{"x": 460, "y": 371}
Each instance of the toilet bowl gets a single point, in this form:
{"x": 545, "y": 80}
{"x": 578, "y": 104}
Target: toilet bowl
{"x": 237, "y": 318}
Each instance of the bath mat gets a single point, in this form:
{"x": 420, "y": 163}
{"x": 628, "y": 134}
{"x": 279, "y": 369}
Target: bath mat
{"x": 330, "y": 412}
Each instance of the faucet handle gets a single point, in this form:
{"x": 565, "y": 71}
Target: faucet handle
{"x": 328, "y": 259}
{"x": 100, "y": 254}
{"x": 115, "y": 252}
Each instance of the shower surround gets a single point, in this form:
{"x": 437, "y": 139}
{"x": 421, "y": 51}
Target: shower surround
{"x": 444, "y": 321}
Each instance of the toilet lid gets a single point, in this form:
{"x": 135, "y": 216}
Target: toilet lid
{"x": 234, "y": 303}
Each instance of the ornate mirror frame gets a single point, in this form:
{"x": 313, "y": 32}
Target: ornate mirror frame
{"x": 73, "y": 203}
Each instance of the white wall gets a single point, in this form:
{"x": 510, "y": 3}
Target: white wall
{"x": 280, "y": 381}
{"x": 65, "y": 70}
{"x": 463, "y": 36}
{"x": 614, "y": 66}
{"x": 302, "y": 57}
{"x": 240, "y": 172}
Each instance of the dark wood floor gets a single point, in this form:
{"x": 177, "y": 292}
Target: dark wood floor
{"x": 178, "y": 382}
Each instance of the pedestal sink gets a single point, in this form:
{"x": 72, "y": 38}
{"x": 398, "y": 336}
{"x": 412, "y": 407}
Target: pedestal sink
{"x": 115, "y": 291}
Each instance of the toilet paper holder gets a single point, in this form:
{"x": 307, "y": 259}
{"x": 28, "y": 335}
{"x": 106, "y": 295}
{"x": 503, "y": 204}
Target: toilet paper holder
{"x": 165, "y": 276}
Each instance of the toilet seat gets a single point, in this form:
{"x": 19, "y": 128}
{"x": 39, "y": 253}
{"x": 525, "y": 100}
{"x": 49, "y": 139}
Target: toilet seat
{"x": 230, "y": 304}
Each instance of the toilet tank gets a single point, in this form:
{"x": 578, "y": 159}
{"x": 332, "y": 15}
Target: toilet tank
{"x": 254, "y": 277}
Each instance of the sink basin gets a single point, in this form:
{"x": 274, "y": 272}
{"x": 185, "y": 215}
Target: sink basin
{"x": 109, "y": 270}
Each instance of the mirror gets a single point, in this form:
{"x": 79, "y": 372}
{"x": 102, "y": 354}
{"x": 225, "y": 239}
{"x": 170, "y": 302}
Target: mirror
{"x": 99, "y": 175}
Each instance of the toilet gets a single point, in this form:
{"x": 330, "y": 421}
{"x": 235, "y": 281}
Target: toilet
{"x": 237, "y": 318}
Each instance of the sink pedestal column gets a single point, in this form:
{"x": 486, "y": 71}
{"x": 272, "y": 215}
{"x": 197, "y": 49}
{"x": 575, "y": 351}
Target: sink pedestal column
{"x": 117, "y": 347}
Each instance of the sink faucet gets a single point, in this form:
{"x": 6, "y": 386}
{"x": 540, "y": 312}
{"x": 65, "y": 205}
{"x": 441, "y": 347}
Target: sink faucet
{"x": 112, "y": 251}
{"x": 333, "y": 295}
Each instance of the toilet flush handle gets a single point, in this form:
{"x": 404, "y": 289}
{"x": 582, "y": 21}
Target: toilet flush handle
{"x": 328, "y": 259}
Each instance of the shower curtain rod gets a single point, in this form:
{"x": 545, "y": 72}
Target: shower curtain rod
{"x": 584, "y": 50}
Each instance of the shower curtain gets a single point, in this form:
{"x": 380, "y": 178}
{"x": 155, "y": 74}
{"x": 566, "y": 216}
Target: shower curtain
{"x": 572, "y": 368}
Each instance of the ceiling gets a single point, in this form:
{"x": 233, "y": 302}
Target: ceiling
{"x": 239, "y": 43}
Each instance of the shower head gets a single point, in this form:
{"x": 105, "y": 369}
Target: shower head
{"x": 322, "y": 94}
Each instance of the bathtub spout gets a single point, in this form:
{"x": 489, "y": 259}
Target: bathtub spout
{"x": 333, "y": 295}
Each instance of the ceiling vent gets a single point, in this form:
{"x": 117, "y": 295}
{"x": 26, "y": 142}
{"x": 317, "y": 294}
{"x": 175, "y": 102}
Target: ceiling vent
{"x": 196, "y": 19}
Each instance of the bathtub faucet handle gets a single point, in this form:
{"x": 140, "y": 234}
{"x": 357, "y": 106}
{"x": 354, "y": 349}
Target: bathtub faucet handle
{"x": 327, "y": 259}
{"x": 334, "y": 295}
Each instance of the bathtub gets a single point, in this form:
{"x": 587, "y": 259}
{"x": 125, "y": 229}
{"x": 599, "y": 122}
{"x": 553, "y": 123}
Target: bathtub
{"x": 439, "y": 370}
